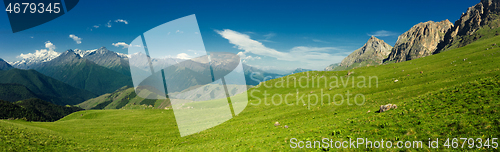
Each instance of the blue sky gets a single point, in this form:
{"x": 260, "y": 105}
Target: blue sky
{"x": 275, "y": 35}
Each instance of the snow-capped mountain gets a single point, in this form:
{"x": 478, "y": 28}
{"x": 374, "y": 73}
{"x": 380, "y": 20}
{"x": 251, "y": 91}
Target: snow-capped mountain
{"x": 32, "y": 60}
{"x": 100, "y": 51}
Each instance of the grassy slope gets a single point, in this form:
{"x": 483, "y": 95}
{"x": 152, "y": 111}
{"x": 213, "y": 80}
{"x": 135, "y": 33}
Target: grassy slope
{"x": 123, "y": 98}
{"x": 442, "y": 102}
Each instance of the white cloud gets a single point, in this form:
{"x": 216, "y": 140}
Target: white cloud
{"x": 183, "y": 56}
{"x": 243, "y": 42}
{"x": 122, "y": 44}
{"x": 96, "y": 26}
{"x": 75, "y": 38}
{"x": 312, "y": 56}
{"x": 179, "y": 31}
{"x": 382, "y": 33}
{"x": 108, "y": 24}
{"x": 42, "y": 53}
{"x": 244, "y": 58}
{"x": 121, "y": 20}
{"x": 50, "y": 46}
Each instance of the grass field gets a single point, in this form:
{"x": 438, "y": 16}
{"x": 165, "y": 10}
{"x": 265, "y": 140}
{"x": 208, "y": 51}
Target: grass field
{"x": 439, "y": 96}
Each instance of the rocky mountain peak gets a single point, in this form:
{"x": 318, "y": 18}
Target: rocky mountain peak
{"x": 484, "y": 13}
{"x": 420, "y": 41}
{"x": 69, "y": 56}
{"x": 372, "y": 53}
{"x": 69, "y": 53}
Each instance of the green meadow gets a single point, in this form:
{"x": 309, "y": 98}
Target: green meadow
{"x": 439, "y": 96}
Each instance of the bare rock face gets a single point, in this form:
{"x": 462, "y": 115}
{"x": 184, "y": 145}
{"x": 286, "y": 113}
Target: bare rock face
{"x": 420, "y": 41}
{"x": 482, "y": 14}
{"x": 372, "y": 53}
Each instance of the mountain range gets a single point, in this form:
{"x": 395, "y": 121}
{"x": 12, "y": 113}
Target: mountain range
{"x": 82, "y": 73}
{"x": 115, "y": 61}
{"x": 479, "y": 22}
{"x": 103, "y": 71}
{"x": 20, "y": 84}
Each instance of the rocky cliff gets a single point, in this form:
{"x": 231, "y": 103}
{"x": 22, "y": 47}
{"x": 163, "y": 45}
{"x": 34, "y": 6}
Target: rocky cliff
{"x": 372, "y": 53}
{"x": 482, "y": 16}
{"x": 420, "y": 41}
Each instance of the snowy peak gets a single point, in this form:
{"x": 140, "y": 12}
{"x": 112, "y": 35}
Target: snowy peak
{"x": 100, "y": 51}
{"x": 32, "y": 59}
{"x": 84, "y": 53}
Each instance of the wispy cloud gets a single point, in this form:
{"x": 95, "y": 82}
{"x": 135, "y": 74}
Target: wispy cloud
{"x": 75, "y": 38}
{"x": 108, "y": 24}
{"x": 315, "y": 40}
{"x": 270, "y": 35}
{"x": 313, "y": 56}
{"x": 121, "y": 20}
{"x": 382, "y": 33}
{"x": 319, "y": 41}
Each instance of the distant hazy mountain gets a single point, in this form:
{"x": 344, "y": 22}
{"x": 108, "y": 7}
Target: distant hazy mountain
{"x": 332, "y": 66}
{"x": 106, "y": 58}
{"x": 254, "y": 76}
{"x": 33, "y": 60}
{"x": 4, "y": 65}
{"x": 420, "y": 41}
{"x": 42, "y": 86}
{"x": 372, "y": 53}
{"x": 137, "y": 60}
{"x": 82, "y": 73}
{"x": 299, "y": 70}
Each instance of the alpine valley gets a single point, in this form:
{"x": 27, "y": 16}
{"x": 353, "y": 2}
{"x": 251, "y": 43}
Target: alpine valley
{"x": 444, "y": 78}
